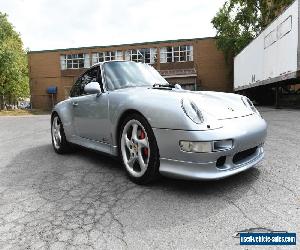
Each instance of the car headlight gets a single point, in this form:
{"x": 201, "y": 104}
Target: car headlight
{"x": 247, "y": 102}
{"x": 192, "y": 111}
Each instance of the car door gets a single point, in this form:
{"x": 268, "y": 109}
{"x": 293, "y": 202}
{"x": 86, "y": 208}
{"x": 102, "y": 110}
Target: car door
{"x": 90, "y": 111}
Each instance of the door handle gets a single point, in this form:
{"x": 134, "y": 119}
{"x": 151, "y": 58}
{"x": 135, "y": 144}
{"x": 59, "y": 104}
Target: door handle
{"x": 75, "y": 104}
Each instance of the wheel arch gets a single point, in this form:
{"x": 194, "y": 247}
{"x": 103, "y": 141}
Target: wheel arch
{"x": 121, "y": 120}
{"x": 152, "y": 171}
{"x": 53, "y": 114}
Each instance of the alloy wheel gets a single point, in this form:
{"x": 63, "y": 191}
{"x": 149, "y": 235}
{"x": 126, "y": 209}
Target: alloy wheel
{"x": 135, "y": 148}
{"x": 56, "y": 132}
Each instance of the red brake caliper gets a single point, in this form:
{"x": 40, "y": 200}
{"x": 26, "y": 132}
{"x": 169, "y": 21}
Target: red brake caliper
{"x": 143, "y": 137}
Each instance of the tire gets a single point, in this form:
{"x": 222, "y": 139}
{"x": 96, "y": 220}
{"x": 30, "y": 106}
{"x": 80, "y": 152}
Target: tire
{"x": 138, "y": 150}
{"x": 59, "y": 141}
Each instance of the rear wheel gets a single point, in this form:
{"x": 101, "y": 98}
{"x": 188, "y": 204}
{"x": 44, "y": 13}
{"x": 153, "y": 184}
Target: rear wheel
{"x": 138, "y": 149}
{"x": 59, "y": 141}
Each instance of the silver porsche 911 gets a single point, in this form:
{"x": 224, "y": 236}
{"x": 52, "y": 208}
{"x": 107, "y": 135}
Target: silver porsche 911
{"x": 127, "y": 109}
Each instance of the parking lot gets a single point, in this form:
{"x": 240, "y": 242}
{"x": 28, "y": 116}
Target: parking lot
{"x": 84, "y": 200}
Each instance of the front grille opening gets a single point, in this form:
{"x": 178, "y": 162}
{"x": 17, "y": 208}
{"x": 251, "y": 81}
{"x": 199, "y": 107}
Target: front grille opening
{"x": 221, "y": 161}
{"x": 241, "y": 156}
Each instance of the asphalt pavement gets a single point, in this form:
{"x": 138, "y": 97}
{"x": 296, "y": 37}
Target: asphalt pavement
{"x": 84, "y": 200}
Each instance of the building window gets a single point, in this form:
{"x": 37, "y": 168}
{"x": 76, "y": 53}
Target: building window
{"x": 75, "y": 61}
{"x": 147, "y": 55}
{"x": 182, "y": 53}
{"x": 107, "y": 56}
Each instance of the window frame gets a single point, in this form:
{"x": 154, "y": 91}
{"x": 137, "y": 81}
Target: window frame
{"x": 174, "y": 54}
{"x": 110, "y": 55}
{"x": 282, "y": 23}
{"x": 76, "y": 61}
{"x": 143, "y": 55}
{"x": 266, "y": 43}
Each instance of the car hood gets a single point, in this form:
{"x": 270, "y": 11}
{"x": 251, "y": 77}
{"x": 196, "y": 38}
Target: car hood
{"x": 217, "y": 105}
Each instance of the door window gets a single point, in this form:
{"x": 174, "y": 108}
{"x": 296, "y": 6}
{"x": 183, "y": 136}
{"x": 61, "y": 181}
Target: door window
{"x": 75, "y": 90}
{"x": 89, "y": 76}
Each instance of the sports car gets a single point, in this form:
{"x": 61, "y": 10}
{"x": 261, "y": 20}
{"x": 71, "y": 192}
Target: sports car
{"x": 127, "y": 109}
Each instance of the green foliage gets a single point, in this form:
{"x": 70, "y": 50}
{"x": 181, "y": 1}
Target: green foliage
{"x": 239, "y": 21}
{"x": 14, "y": 83}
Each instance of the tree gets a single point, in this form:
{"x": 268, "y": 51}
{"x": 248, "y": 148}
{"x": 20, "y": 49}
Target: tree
{"x": 14, "y": 83}
{"x": 238, "y": 22}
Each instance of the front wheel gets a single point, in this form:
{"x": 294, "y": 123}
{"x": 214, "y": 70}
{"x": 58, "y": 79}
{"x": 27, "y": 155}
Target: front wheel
{"x": 138, "y": 149}
{"x": 59, "y": 141}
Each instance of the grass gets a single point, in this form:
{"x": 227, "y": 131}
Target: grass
{"x": 20, "y": 112}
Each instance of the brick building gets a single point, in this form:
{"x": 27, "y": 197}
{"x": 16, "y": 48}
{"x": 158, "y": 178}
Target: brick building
{"x": 194, "y": 63}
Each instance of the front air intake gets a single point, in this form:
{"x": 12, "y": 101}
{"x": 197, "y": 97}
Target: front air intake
{"x": 243, "y": 155}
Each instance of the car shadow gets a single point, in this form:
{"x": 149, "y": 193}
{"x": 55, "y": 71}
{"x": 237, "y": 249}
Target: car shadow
{"x": 48, "y": 184}
{"x": 242, "y": 179}
{"x": 42, "y": 160}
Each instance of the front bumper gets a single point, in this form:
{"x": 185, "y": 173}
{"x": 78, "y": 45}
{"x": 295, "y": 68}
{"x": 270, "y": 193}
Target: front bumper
{"x": 246, "y": 132}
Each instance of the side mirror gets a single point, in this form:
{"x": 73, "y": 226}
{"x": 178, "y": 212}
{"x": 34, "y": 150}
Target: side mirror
{"x": 178, "y": 86}
{"x": 92, "y": 88}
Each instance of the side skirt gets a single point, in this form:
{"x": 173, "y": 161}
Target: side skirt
{"x": 94, "y": 145}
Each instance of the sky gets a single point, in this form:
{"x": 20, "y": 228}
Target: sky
{"x": 57, "y": 24}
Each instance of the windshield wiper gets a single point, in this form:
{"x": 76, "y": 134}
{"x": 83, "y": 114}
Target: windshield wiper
{"x": 159, "y": 85}
{"x": 167, "y": 86}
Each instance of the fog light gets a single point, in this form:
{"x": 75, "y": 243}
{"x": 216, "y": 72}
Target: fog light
{"x": 196, "y": 146}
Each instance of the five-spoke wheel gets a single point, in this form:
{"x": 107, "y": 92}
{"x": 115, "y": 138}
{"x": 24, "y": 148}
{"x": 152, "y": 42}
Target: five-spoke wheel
{"x": 138, "y": 149}
{"x": 56, "y": 135}
{"x": 59, "y": 141}
{"x": 135, "y": 148}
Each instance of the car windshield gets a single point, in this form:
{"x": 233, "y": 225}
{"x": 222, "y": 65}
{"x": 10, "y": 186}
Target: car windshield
{"x": 130, "y": 74}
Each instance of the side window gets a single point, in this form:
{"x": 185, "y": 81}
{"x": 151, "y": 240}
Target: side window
{"x": 75, "y": 90}
{"x": 87, "y": 77}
